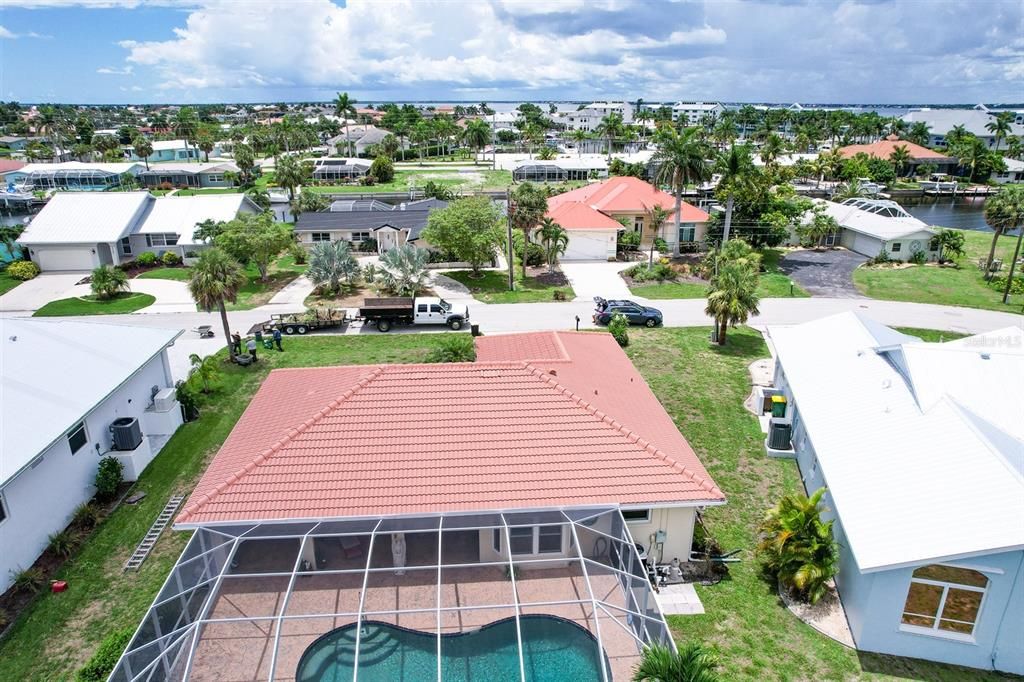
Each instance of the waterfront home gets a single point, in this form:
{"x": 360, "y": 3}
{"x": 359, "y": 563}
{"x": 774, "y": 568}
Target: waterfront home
{"x": 363, "y": 520}
{"x": 883, "y": 149}
{"x": 367, "y": 222}
{"x": 561, "y": 169}
{"x": 64, "y": 385}
{"x": 1014, "y": 172}
{"x": 691, "y": 113}
{"x": 941, "y": 121}
{"x": 190, "y": 175}
{"x": 871, "y": 226}
{"x": 171, "y": 150}
{"x": 921, "y": 449}
{"x": 72, "y": 176}
{"x": 333, "y": 169}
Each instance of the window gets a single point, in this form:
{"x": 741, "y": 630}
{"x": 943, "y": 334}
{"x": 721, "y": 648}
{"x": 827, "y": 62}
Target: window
{"x": 126, "y": 246}
{"x": 421, "y": 307}
{"x": 521, "y": 540}
{"x": 636, "y": 515}
{"x": 434, "y": 308}
{"x": 361, "y": 236}
{"x": 944, "y": 599}
{"x": 161, "y": 239}
{"x": 3, "y": 510}
{"x": 215, "y": 177}
{"x": 549, "y": 539}
{"x": 895, "y": 247}
{"x": 496, "y": 540}
{"x": 638, "y": 224}
{"x": 687, "y": 232}
{"x": 321, "y": 236}
{"x": 77, "y": 438}
{"x": 530, "y": 540}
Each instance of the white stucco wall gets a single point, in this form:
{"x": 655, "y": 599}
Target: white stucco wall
{"x": 677, "y": 522}
{"x": 41, "y": 500}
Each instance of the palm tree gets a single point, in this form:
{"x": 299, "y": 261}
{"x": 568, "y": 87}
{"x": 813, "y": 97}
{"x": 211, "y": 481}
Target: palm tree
{"x": 389, "y": 145}
{"x": 1000, "y": 127}
{"x": 798, "y": 547}
{"x": 656, "y": 217}
{"x": 692, "y": 663}
{"x": 554, "y": 239}
{"x": 289, "y": 172}
{"x": 205, "y": 369}
{"x": 1014, "y": 147}
{"x": 920, "y": 133}
{"x": 611, "y": 128}
{"x": 527, "y": 205}
{"x": 205, "y": 144}
{"x": 345, "y": 107}
{"x": 331, "y": 262}
{"x": 900, "y": 157}
{"x": 643, "y": 116}
{"x": 403, "y": 270}
{"x": 477, "y": 135}
{"x": 680, "y": 159}
{"x": 579, "y": 136}
{"x": 421, "y": 135}
{"x": 972, "y": 154}
{"x": 107, "y": 281}
{"x": 955, "y": 136}
{"x": 143, "y": 148}
{"x": 771, "y": 150}
{"x": 732, "y": 295}
{"x": 216, "y": 278}
{"x": 1004, "y": 213}
{"x": 185, "y": 126}
{"x": 735, "y": 168}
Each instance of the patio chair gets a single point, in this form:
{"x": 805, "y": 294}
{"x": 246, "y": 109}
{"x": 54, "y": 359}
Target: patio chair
{"x": 351, "y": 547}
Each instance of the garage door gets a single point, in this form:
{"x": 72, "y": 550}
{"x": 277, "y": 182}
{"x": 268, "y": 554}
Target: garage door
{"x": 866, "y": 245}
{"x": 80, "y": 258}
{"x": 588, "y": 245}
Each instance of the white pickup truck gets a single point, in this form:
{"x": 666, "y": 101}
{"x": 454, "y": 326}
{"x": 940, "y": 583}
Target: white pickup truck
{"x": 387, "y": 312}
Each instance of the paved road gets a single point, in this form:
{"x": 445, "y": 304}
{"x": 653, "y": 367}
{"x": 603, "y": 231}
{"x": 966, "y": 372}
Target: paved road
{"x": 824, "y": 273}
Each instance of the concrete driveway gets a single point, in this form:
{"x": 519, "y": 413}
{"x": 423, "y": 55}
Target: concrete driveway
{"x": 596, "y": 278}
{"x": 32, "y": 295}
{"x": 824, "y": 273}
{"x": 171, "y": 295}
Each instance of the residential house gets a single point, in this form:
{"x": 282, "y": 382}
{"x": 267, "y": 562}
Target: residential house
{"x": 870, "y": 226}
{"x": 974, "y": 121}
{"x": 330, "y": 169}
{"x": 76, "y": 231}
{"x": 9, "y": 166}
{"x": 594, "y": 215}
{"x": 589, "y": 117}
{"x": 72, "y": 176}
{"x": 362, "y": 138}
{"x": 354, "y": 507}
{"x": 1014, "y": 172}
{"x": 171, "y": 150}
{"x": 197, "y": 175}
{"x": 883, "y": 149}
{"x": 16, "y": 143}
{"x": 691, "y": 113}
{"x": 64, "y": 384}
{"x": 368, "y": 223}
{"x": 561, "y": 169}
{"x": 921, "y": 449}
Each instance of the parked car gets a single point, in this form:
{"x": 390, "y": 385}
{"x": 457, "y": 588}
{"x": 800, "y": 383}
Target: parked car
{"x": 387, "y": 312}
{"x": 634, "y": 312}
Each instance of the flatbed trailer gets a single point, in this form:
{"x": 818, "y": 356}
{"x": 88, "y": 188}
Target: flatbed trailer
{"x": 311, "y": 320}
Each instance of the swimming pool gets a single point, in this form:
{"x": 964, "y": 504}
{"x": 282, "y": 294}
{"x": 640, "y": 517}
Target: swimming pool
{"x": 554, "y": 649}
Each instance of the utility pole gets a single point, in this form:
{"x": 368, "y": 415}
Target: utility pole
{"x": 510, "y": 253}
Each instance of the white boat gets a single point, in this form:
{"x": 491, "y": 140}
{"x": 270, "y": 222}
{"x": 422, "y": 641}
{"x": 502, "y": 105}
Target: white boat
{"x": 711, "y": 184}
{"x": 938, "y": 183}
{"x": 867, "y": 187}
{"x": 278, "y": 196}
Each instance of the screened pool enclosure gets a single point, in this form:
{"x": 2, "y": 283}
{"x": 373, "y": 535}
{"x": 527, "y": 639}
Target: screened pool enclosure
{"x": 529, "y": 595}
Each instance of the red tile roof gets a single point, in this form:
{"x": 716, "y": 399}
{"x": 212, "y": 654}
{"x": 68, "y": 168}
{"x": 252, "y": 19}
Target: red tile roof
{"x": 624, "y": 194}
{"x": 884, "y": 148}
{"x": 573, "y": 215}
{"x": 8, "y": 165}
{"x": 574, "y": 425}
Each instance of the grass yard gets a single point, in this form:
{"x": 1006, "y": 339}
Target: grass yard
{"x": 703, "y": 388}
{"x": 493, "y": 287}
{"x": 287, "y": 263}
{"x": 482, "y": 178}
{"x": 256, "y": 292}
{"x": 773, "y": 284}
{"x": 57, "y": 633}
{"x": 177, "y": 274}
{"x": 962, "y": 286}
{"x": 931, "y": 335}
{"x": 208, "y": 190}
{"x": 89, "y": 305}
{"x": 7, "y": 282}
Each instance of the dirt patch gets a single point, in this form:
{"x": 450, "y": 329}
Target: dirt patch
{"x": 542, "y": 276}
{"x": 353, "y": 298}
{"x": 827, "y": 616}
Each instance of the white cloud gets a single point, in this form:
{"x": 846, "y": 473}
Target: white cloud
{"x": 113, "y": 71}
{"x": 7, "y": 34}
{"x": 4, "y": 33}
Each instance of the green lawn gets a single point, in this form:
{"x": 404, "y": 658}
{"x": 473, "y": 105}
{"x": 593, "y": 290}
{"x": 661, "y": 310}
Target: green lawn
{"x": 287, "y": 263}
{"x": 703, "y": 388}
{"x": 773, "y": 284}
{"x": 256, "y": 292}
{"x": 962, "y": 286}
{"x": 931, "y": 335}
{"x": 177, "y": 274}
{"x": 7, "y": 282}
{"x": 493, "y": 287}
{"x": 208, "y": 190}
{"x": 57, "y": 633}
{"x": 88, "y": 305}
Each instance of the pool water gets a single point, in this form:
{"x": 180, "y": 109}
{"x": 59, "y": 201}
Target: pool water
{"x": 554, "y": 649}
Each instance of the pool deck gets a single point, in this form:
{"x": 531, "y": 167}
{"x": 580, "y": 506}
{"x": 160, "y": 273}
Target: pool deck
{"x": 242, "y": 650}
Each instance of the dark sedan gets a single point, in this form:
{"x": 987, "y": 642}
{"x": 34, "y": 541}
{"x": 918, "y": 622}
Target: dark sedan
{"x": 634, "y": 312}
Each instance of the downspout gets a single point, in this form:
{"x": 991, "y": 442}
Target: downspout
{"x": 1006, "y": 608}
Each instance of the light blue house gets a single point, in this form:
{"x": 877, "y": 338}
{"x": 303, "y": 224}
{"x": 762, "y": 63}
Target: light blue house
{"x": 921, "y": 448}
{"x": 171, "y": 150}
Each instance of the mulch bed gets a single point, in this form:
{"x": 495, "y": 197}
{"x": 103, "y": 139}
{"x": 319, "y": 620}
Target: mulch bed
{"x": 554, "y": 279}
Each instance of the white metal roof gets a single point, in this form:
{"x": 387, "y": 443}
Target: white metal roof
{"x": 86, "y": 217}
{"x": 170, "y": 168}
{"x": 166, "y": 145}
{"x": 54, "y": 373}
{"x": 874, "y": 224}
{"x": 180, "y": 215}
{"x": 49, "y": 168}
{"x": 909, "y": 439}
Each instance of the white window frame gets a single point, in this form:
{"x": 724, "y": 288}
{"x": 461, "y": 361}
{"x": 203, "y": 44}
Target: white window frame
{"x": 4, "y": 512}
{"x": 638, "y": 224}
{"x": 895, "y": 247}
{"x": 162, "y": 239}
{"x": 690, "y": 229}
{"x": 934, "y": 630}
{"x": 535, "y": 544}
{"x": 317, "y": 237}
{"x": 646, "y": 519}
{"x": 362, "y": 236}
{"x": 80, "y": 426}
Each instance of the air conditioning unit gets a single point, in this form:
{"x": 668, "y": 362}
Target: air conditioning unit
{"x": 165, "y": 400}
{"x": 126, "y": 433}
{"x": 779, "y": 435}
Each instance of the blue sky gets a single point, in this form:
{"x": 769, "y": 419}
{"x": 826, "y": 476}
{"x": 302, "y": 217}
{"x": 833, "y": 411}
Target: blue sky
{"x": 858, "y": 51}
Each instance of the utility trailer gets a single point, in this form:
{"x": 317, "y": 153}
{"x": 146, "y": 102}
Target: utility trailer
{"x": 311, "y": 320}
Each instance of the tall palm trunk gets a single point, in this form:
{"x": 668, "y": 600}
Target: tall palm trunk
{"x": 224, "y": 321}
{"x": 1013, "y": 264}
{"x": 992, "y": 253}
{"x": 526, "y": 250}
{"x": 723, "y": 326}
{"x": 728, "y": 219}
{"x": 679, "y": 204}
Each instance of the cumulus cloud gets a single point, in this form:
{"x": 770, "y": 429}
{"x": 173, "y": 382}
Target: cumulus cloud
{"x": 7, "y": 34}
{"x": 112, "y": 71}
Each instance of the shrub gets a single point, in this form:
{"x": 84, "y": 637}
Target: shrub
{"x": 63, "y": 543}
{"x": 999, "y": 282}
{"x": 383, "y": 169}
{"x": 367, "y": 180}
{"x": 170, "y": 259}
{"x": 23, "y": 270}
{"x": 146, "y": 258}
{"x": 29, "y": 580}
{"x": 660, "y": 245}
{"x": 108, "y": 478}
{"x": 629, "y": 241}
{"x": 298, "y": 254}
{"x": 102, "y": 663}
{"x": 797, "y": 546}
{"x": 369, "y": 273}
{"x": 453, "y": 348}
{"x": 367, "y": 246}
{"x": 86, "y": 515}
{"x": 191, "y": 254}
{"x": 187, "y": 395}
{"x": 660, "y": 272}
{"x": 534, "y": 255}
{"x": 165, "y": 186}
{"x": 881, "y": 259}
{"x": 918, "y": 258}
{"x": 619, "y": 328}
{"x": 559, "y": 295}
{"x": 106, "y": 282}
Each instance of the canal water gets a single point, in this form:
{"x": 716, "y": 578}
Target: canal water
{"x": 965, "y": 213}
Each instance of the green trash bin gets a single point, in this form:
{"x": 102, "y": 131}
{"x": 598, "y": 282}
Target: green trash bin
{"x": 778, "y": 406}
